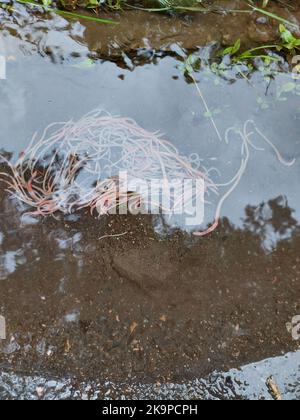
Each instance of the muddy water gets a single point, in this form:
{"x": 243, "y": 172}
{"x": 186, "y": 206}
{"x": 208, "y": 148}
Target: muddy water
{"x": 157, "y": 303}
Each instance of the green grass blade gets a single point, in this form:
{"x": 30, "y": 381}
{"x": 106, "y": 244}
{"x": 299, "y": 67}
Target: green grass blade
{"x": 273, "y": 16}
{"x": 90, "y": 18}
{"x": 69, "y": 14}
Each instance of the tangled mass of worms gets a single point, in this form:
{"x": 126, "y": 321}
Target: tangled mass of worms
{"x": 75, "y": 165}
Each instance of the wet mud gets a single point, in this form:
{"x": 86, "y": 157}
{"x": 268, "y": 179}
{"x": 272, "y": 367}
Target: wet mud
{"x": 113, "y": 317}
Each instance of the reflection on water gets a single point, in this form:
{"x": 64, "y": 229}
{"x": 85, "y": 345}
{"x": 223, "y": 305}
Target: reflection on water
{"x": 147, "y": 306}
{"x": 178, "y": 112}
{"x": 272, "y": 221}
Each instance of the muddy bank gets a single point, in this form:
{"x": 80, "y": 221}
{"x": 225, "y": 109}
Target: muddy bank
{"x": 142, "y": 30}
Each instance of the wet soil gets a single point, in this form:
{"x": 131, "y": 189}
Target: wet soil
{"x": 141, "y": 307}
{"x": 151, "y": 31}
{"x": 249, "y": 382}
{"x": 156, "y": 304}
{"x": 160, "y": 31}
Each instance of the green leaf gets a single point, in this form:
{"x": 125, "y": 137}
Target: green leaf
{"x": 47, "y": 3}
{"x": 92, "y": 4}
{"x": 70, "y": 14}
{"x": 273, "y": 16}
{"x": 233, "y": 49}
{"x": 286, "y": 35}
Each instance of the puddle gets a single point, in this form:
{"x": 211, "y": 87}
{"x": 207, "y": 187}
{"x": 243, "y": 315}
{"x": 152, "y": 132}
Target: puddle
{"x": 156, "y": 303}
{"x": 249, "y": 382}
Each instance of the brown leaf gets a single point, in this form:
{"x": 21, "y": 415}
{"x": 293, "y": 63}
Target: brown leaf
{"x": 133, "y": 327}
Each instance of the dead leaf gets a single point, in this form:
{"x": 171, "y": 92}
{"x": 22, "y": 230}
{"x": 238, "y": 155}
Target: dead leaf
{"x": 274, "y": 388}
{"x": 133, "y": 327}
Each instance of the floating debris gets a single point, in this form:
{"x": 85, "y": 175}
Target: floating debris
{"x": 274, "y": 388}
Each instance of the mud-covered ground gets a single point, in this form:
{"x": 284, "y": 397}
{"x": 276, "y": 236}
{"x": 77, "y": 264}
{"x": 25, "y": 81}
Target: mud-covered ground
{"x": 151, "y": 31}
{"x": 141, "y": 307}
{"x": 157, "y": 305}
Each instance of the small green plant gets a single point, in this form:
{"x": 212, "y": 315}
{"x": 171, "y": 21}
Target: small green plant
{"x": 190, "y": 65}
{"x": 47, "y": 3}
{"x": 114, "y": 4}
{"x": 237, "y": 57}
{"x": 92, "y": 4}
{"x": 290, "y": 42}
{"x": 233, "y": 50}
